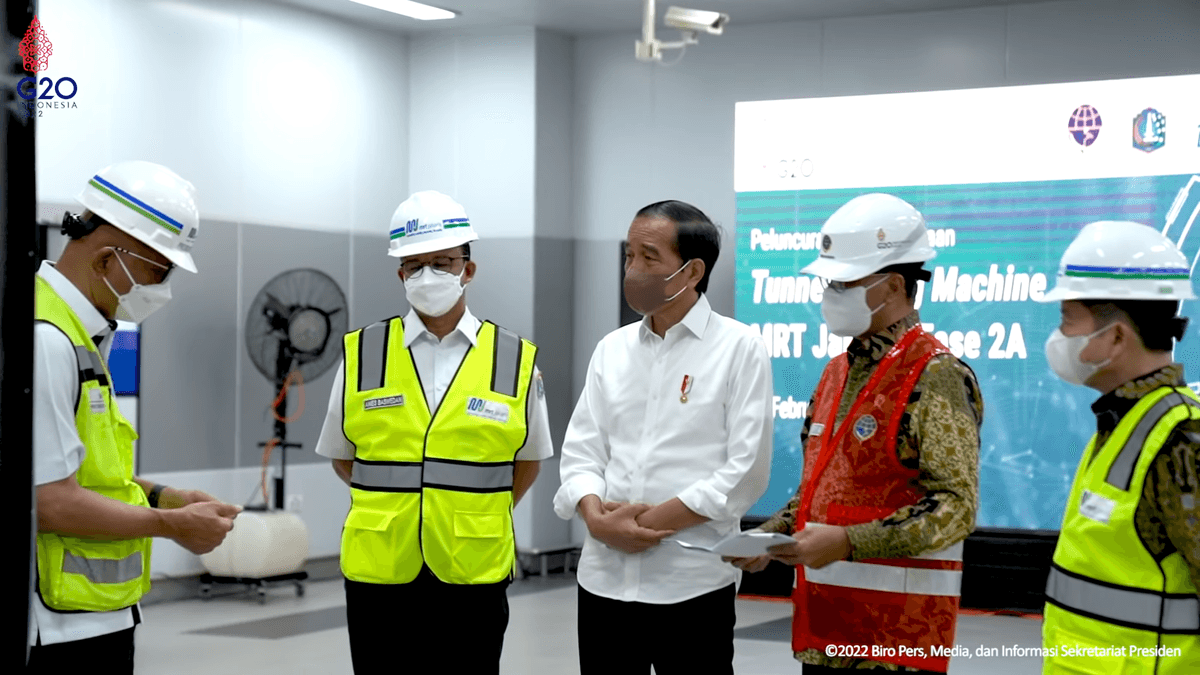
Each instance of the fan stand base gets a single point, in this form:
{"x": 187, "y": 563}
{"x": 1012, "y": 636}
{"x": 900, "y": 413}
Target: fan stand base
{"x": 256, "y": 585}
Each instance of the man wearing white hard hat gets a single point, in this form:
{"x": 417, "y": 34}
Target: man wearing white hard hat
{"x": 1127, "y": 565}
{"x": 95, "y": 518}
{"x": 891, "y": 459}
{"x": 437, "y": 422}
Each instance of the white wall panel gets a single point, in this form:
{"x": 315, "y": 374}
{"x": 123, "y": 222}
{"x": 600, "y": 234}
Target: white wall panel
{"x": 912, "y": 52}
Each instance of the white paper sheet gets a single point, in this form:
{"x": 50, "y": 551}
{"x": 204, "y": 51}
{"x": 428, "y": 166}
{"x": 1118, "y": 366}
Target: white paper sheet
{"x": 746, "y": 544}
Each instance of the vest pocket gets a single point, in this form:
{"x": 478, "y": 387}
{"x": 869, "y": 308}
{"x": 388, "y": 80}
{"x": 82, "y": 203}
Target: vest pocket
{"x": 482, "y": 549}
{"x": 95, "y": 576}
{"x": 469, "y": 525}
{"x": 380, "y": 547}
{"x": 468, "y": 537}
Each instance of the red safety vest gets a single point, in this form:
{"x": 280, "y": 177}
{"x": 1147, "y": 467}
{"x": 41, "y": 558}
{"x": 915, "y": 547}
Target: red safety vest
{"x": 894, "y": 610}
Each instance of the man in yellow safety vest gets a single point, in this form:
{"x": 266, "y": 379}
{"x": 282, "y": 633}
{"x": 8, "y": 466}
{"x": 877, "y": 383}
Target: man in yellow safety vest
{"x": 437, "y": 422}
{"x": 1122, "y": 592}
{"x": 94, "y": 528}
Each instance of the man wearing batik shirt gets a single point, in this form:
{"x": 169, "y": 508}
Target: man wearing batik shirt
{"x": 1126, "y": 567}
{"x": 891, "y": 459}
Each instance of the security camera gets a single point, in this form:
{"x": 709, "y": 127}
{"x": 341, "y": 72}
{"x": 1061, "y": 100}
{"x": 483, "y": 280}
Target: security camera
{"x": 696, "y": 20}
{"x": 688, "y": 21}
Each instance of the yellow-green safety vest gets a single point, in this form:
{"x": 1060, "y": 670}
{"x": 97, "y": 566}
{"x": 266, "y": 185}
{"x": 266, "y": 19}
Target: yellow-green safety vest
{"x": 1112, "y": 609}
{"x": 433, "y": 488}
{"x": 90, "y": 575}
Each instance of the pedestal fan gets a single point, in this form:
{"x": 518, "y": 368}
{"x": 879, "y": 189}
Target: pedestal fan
{"x": 293, "y": 330}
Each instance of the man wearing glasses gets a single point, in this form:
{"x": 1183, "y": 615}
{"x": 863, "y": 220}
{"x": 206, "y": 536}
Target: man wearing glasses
{"x": 437, "y": 422}
{"x": 891, "y": 460}
{"x": 94, "y": 528}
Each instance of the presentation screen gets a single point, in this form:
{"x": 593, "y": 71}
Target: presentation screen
{"x": 1005, "y": 178}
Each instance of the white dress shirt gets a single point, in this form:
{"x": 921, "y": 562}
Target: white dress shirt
{"x": 440, "y": 358}
{"x": 631, "y": 439}
{"x": 58, "y": 450}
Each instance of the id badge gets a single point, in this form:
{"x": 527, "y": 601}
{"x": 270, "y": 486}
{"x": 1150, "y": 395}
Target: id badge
{"x": 96, "y": 401}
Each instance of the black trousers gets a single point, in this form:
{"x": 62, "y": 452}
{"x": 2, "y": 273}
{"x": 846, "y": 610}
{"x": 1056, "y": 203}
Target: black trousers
{"x": 112, "y": 654}
{"x": 461, "y": 627}
{"x": 693, "y": 637}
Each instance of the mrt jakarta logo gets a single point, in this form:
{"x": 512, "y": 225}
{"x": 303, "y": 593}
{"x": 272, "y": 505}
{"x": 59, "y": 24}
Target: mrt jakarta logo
{"x": 35, "y": 50}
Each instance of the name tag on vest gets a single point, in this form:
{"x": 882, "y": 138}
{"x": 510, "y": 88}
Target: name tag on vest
{"x": 489, "y": 410}
{"x": 96, "y": 399}
{"x": 386, "y": 402}
{"x": 1098, "y": 508}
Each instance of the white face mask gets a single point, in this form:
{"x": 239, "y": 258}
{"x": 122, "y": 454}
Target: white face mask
{"x": 1062, "y": 352}
{"x": 846, "y": 312}
{"x": 141, "y": 301}
{"x": 433, "y": 294}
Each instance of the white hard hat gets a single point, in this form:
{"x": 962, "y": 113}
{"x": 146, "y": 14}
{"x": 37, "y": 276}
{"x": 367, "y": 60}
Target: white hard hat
{"x": 1120, "y": 260}
{"x": 867, "y": 234}
{"x": 151, "y": 203}
{"x": 428, "y": 221}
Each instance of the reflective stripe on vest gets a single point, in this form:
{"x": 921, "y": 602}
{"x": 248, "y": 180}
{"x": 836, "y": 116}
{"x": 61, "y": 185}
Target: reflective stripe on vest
{"x": 104, "y": 571}
{"x": 1121, "y": 472}
{"x": 90, "y": 366}
{"x": 469, "y": 476}
{"x": 407, "y": 476}
{"x": 891, "y": 578}
{"x": 372, "y": 359}
{"x": 507, "y": 362}
{"x": 372, "y": 356}
{"x": 386, "y": 476}
{"x": 1134, "y": 607}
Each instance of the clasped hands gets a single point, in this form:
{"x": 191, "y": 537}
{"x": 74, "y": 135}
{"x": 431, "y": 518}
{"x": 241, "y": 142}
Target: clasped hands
{"x": 814, "y": 546}
{"x": 629, "y": 528}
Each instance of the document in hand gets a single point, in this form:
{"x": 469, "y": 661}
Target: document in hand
{"x": 746, "y": 544}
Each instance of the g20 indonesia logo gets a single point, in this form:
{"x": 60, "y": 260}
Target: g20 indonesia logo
{"x": 48, "y": 92}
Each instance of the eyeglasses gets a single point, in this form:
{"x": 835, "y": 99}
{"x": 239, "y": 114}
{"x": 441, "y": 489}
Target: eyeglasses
{"x": 440, "y": 265}
{"x": 170, "y": 267}
{"x": 841, "y": 286}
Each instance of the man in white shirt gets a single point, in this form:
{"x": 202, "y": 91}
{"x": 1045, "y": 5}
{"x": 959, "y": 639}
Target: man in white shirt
{"x": 94, "y": 527}
{"x": 439, "y": 432}
{"x": 671, "y": 437}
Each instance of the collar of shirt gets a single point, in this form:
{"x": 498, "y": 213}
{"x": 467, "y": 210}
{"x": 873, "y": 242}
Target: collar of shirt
{"x": 695, "y": 321}
{"x": 91, "y": 318}
{"x": 468, "y": 325}
{"x": 1114, "y": 405}
{"x": 879, "y": 344}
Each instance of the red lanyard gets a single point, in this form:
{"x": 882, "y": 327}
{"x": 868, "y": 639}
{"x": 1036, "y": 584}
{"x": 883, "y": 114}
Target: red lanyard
{"x": 828, "y": 447}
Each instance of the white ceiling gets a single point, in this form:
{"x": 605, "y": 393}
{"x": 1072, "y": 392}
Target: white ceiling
{"x": 598, "y": 16}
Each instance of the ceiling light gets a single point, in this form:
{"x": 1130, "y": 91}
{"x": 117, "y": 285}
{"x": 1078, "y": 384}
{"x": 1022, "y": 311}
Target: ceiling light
{"x": 410, "y": 9}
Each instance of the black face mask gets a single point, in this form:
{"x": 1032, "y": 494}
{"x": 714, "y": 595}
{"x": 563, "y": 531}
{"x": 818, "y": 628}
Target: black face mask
{"x": 647, "y": 293}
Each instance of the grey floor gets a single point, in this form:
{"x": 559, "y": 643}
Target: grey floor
{"x": 307, "y": 635}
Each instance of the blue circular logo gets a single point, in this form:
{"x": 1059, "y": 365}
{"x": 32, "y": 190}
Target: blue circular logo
{"x": 865, "y": 427}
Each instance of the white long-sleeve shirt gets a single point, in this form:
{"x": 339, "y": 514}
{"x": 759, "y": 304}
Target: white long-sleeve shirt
{"x": 631, "y": 439}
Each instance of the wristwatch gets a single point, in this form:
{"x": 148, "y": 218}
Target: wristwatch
{"x": 155, "y": 492}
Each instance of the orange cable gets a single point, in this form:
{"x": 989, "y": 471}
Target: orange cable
{"x": 274, "y": 442}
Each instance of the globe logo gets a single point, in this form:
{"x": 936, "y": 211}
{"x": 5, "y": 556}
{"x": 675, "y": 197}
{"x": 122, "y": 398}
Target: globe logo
{"x": 1084, "y": 125}
{"x": 1149, "y": 130}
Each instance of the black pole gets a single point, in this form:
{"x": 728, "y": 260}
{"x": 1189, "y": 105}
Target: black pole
{"x": 281, "y": 434}
{"x": 18, "y": 236}
{"x": 283, "y": 365}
